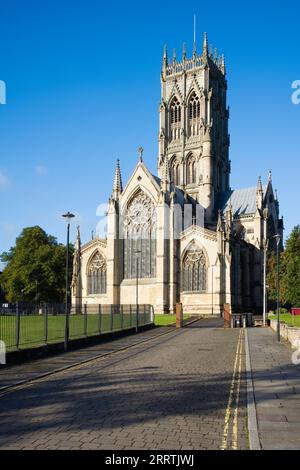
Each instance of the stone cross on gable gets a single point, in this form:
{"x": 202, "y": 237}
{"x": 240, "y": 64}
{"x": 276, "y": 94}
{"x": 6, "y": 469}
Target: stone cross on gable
{"x": 140, "y": 150}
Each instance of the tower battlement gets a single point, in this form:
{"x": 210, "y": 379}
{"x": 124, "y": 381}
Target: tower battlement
{"x": 197, "y": 61}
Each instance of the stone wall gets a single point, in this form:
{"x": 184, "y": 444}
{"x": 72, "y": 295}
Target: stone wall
{"x": 289, "y": 333}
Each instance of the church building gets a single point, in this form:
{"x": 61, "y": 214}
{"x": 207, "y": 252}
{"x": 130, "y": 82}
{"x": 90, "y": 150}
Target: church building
{"x": 183, "y": 235}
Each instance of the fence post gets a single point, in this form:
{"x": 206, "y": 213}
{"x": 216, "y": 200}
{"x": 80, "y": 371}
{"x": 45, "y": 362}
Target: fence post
{"x": 122, "y": 317}
{"x": 130, "y": 315}
{"x": 17, "y": 325}
{"x": 145, "y": 314}
{"x": 111, "y": 318}
{"x": 85, "y": 320}
{"x": 46, "y": 323}
{"x": 99, "y": 319}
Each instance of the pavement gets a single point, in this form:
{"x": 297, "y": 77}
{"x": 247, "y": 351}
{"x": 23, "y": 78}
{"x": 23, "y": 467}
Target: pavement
{"x": 276, "y": 382}
{"x": 184, "y": 389}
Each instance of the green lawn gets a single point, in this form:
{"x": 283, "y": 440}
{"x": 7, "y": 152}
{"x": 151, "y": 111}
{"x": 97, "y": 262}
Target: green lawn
{"x": 32, "y": 328}
{"x": 290, "y": 320}
{"x": 165, "y": 320}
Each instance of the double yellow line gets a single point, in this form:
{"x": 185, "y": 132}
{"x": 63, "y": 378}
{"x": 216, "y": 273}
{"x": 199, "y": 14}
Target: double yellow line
{"x": 234, "y": 397}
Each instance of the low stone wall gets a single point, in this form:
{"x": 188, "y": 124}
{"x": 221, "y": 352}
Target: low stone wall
{"x": 289, "y": 333}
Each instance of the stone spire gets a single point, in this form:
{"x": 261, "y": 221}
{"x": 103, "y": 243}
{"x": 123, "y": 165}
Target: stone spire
{"x": 174, "y": 56}
{"x": 270, "y": 176}
{"x": 165, "y": 62}
{"x": 118, "y": 188}
{"x": 259, "y": 194}
{"x": 216, "y": 55}
{"x": 165, "y": 59}
{"x": 259, "y": 185}
{"x": 219, "y": 224}
{"x": 183, "y": 52}
{"x": 223, "y": 66}
{"x": 205, "y": 47}
{"x": 78, "y": 239}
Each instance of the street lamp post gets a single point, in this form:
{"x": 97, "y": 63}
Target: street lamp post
{"x": 68, "y": 217}
{"x": 278, "y": 238}
{"x": 138, "y": 252}
{"x": 265, "y": 245}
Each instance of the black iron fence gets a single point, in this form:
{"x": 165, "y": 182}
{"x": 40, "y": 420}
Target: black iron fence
{"x": 25, "y": 325}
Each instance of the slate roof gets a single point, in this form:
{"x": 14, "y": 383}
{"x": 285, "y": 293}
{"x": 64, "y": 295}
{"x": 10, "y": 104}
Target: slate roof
{"x": 243, "y": 201}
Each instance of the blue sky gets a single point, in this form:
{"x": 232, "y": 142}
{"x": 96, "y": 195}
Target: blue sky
{"x": 83, "y": 89}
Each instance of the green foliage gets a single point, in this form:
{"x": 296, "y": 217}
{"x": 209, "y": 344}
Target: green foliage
{"x": 290, "y": 268}
{"x": 271, "y": 276}
{"x": 289, "y": 272}
{"x": 35, "y": 268}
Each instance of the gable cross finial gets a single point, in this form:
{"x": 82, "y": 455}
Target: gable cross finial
{"x": 140, "y": 150}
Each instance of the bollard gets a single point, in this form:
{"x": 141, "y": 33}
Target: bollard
{"x": 227, "y": 317}
{"x": 179, "y": 315}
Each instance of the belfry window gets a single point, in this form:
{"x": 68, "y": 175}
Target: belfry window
{"x": 175, "y": 111}
{"x": 139, "y": 228}
{"x": 194, "y": 114}
{"x": 194, "y": 271}
{"x": 175, "y": 118}
{"x": 97, "y": 275}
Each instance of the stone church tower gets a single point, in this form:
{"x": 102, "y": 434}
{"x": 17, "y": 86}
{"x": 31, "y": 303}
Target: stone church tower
{"x": 193, "y": 132}
{"x": 185, "y": 234}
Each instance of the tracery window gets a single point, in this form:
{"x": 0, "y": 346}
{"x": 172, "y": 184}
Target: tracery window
{"x": 175, "y": 118}
{"x": 194, "y": 271}
{"x": 194, "y": 114}
{"x": 175, "y": 172}
{"x": 97, "y": 275}
{"x": 139, "y": 225}
{"x": 191, "y": 170}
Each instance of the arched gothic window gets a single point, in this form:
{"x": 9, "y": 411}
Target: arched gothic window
{"x": 194, "y": 271}
{"x": 194, "y": 114}
{"x": 97, "y": 274}
{"x": 175, "y": 119}
{"x": 191, "y": 170}
{"x": 175, "y": 172}
{"x": 139, "y": 226}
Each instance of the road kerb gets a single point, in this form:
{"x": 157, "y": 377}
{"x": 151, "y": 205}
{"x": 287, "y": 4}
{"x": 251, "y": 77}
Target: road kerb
{"x": 251, "y": 408}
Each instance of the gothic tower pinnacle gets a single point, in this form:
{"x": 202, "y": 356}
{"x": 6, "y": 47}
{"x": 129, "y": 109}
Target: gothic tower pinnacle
{"x": 193, "y": 126}
{"x": 118, "y": 187}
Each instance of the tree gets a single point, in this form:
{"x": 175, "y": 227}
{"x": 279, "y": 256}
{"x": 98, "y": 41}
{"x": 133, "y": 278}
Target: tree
{"x": 35, "y": 268}
{"x": 272, "y": 276}
{"x": 290, "y": 270}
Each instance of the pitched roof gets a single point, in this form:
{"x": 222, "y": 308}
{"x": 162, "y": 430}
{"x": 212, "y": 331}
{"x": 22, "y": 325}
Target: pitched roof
{"x": 243, "y": 201}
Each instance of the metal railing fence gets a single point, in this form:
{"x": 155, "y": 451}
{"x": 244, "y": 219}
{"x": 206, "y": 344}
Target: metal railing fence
{"x": 25, "y": 325}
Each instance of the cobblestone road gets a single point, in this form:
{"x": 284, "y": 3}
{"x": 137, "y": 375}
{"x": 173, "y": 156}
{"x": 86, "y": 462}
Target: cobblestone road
{"x": 173, "y": 392}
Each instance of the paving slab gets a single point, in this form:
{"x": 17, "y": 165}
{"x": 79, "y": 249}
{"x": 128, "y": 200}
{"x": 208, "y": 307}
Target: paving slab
{"x": 276, "y": 383}
{"x": 169, "y": 393}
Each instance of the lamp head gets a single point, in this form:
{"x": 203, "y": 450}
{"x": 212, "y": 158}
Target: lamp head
{"x": 68, "y": 216}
